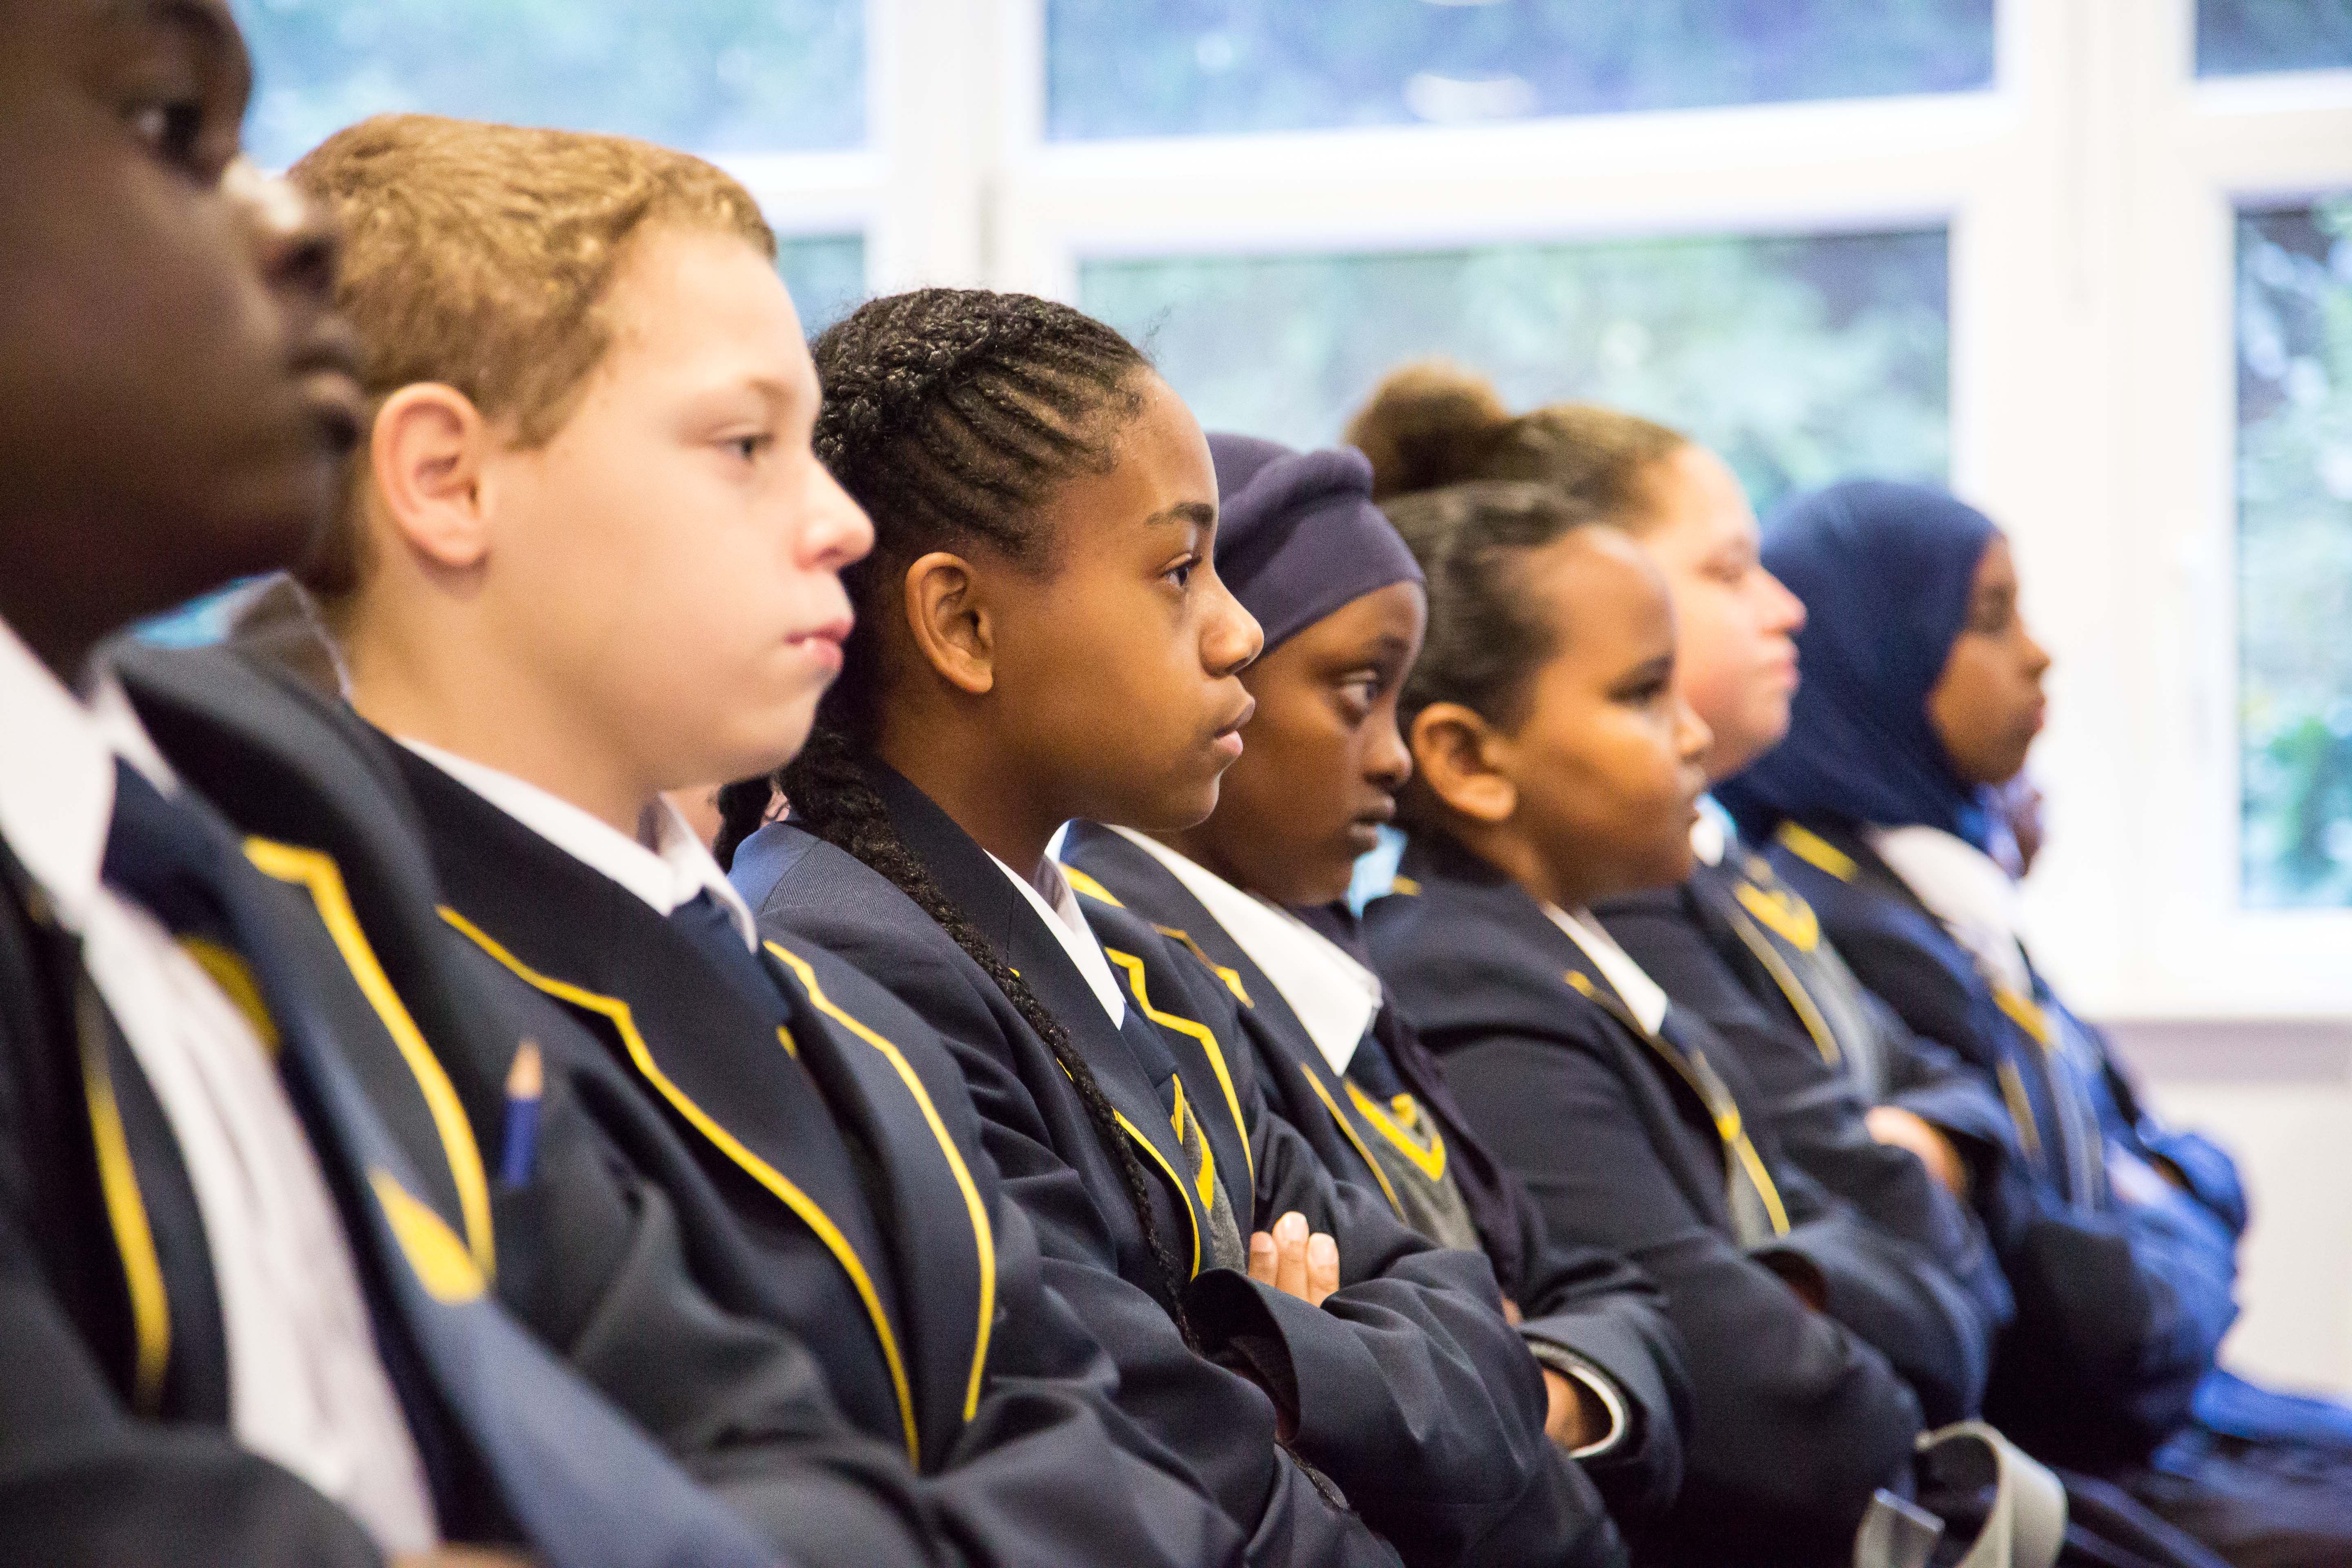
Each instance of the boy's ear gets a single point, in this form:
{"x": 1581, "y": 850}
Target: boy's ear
{"x": 1455, "y": 751}
{"x": 950, "y": 626}
{"x": 427, "y": 455}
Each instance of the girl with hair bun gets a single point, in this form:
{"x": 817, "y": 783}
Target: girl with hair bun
{"x": 1042, "y": 635}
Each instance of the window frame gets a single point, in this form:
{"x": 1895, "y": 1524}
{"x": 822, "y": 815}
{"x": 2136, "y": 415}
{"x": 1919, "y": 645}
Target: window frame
{"x": 2090, "y": 193}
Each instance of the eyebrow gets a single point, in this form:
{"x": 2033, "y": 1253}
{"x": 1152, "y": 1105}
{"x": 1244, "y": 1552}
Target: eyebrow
{"x": 1198, "y": 514}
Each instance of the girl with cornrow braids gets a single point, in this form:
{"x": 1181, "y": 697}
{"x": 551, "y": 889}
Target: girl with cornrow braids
{"x": 1041, "y": 636}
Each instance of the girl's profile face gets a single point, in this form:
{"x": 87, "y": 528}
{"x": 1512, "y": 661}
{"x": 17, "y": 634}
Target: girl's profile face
{"x": 1736, "y": 654}
{"x": 1121, "y": 658}
{"x": 1605, "y": 763}
{"x": 1986, "y": 706}
{"x": 1324, "y": 760}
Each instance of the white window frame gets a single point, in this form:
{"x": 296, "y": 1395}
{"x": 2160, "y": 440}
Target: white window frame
{"x": 2090, "y": 196}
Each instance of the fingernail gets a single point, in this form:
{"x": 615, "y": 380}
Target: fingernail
{"x": 1322, "y": 1251}
{"x": 1292, "y": 1227}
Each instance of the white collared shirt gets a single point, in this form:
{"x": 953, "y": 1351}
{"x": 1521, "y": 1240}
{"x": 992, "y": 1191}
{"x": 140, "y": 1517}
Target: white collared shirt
{"x": 1632, "y": 983}
{"x": 666, "y": 876}
{"x": 307, "y": 1386}
{"x": 1964, "y": 887}
{"x": 1713, "y": 832}
{"x": 1335, "y": 997}
{"x": 1057, "y": 906}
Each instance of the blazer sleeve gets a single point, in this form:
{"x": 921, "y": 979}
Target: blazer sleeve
{"x": 83, "y": 1482}
{"x": 2119, "y": 1314}
{"x": 1924, "y": 1241}
{"x": 1221, "y": 1424}
{"x": 598, "y": 1256}
{"x": 1414, "y": 1393}
{"x": 1598, "y": 1306}
{"x": 1796, "y": 1421}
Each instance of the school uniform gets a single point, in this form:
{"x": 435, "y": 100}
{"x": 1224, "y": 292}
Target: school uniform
{"x": 1346, "y": 1070}
{"x": 1735, "y": 946}
{"x": 1406, "y": 1387}
{"x": 1637, "y": 1132}
{"x": 755, "y": 1211}
{"x": 2117, "y": 1234}
{"x": 242, "y": 1320}
{"x": 2123, "y": 1301}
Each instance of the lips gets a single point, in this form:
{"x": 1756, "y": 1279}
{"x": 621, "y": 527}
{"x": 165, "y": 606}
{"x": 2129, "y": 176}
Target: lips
{"x": 823, "y": 642}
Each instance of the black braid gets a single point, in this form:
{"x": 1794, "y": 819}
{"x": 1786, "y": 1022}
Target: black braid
{"x": 833, "y": 798}
{"x": 951, "y": 414}
{"x": 742, "y": 810}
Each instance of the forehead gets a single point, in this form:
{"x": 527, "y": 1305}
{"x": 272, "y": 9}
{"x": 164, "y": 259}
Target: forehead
{"x": 1598, "y": 588}
{"x": 683, "y": 293}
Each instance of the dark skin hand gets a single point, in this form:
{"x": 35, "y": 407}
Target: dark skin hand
{"x": 1319, "y": 778}
{"x": 172, "y": 308}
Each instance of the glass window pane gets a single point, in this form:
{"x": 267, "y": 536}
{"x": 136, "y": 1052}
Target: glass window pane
{"x": 710, "y": 76}
{"x": 2237, "y": 37}
{"x": 825, "y": 272}
{"x": 1170, "y": 68}
{"x": 1801, "y": 360}
{"x": 2295, "y": 552}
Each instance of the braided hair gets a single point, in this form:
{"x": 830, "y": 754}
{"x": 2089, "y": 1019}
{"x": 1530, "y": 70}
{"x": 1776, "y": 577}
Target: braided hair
{"x": 951, "y": 414}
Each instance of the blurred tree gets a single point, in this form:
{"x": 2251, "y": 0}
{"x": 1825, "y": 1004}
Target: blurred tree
{"x": 711, "y": 75}
{"x": 2239, "y": 37}
{"x": 2295, "y": 552}
{"x": 825, "y": 272}
{"x": 1166, "y": 68}
{"x": 1802, "y": 360}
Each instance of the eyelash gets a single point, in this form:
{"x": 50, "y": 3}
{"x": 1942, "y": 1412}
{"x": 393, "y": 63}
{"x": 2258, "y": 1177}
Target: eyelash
{"x": 749, "y": 447}
{"x": 172, "y": 130}
{"x": 1183, "y": 571}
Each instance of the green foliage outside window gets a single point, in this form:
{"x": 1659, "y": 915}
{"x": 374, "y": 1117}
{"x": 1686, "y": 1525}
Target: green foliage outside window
{"x": 1802, "y": 360}
{"x": 2295, "y": 552}
{"x": 715, "y": 77}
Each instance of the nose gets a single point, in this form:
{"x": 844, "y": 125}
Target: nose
{"x": 1232, "y": 637}
{"x": 837, "y": 532}
{"x": 1691, "y": 736}
{"x": 1387, "y": 761}
{"x": 1787, "y": 614}
{"x": 294, "y": 239}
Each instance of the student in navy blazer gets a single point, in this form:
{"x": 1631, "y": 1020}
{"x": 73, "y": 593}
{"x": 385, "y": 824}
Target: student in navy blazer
{"x": 1340, "y": 597}
{"x": 2118, "y": 1233}
{"x": 1042, "y": 637}
{"x": 245, "y": 1260}
{"x": 1547, "y": 737}
{"x": 801, "y": 1141}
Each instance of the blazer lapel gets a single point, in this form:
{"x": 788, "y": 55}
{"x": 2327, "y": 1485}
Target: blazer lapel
{"x": 1131, "y": 1063}
{"x": 699, "y": 1049}
{"x": 937, "y": 1229}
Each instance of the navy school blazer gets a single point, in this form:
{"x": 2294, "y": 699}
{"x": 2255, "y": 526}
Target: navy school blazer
{"x": 661, "y": 1244}
{"x": 1797, "y": 1415}
{"x": 2121, "y": 1307}
{"x": 1736, "y": 948}
{"x": 115, "y": 1437}
{"x": 1407, "y": 1388}
{"x": 1593, "y": 1303}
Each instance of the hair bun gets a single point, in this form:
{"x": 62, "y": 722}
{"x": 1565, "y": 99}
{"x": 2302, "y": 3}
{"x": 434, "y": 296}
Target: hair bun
{"x": 1425, "y": 426}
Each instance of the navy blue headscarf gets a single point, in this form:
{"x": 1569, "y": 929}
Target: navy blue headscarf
{"x": 1885, "y": 572}
{"x": 1297, "y": 534}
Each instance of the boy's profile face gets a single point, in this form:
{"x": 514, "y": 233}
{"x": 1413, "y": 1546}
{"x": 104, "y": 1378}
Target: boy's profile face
{"x": 667, "y": 567}
{"x": 179, "y": 391}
